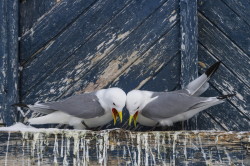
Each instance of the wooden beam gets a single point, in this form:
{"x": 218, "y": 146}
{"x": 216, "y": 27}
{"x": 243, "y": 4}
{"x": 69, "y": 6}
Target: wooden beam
{"x": 50, "y": 24}
{"x": 189, "y": 48}
{"x": 118, "y": 147}
{"x": 9, "y": 60}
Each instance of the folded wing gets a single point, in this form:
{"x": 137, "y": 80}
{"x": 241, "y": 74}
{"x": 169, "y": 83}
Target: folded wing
{"x": 170, "y": 104}
{"x": 82, "y": 106}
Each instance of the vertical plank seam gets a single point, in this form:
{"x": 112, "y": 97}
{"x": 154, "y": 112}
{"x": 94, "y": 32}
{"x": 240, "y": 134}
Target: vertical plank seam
{"x": 189, "y": 47}
{"x": 9, "y": 60}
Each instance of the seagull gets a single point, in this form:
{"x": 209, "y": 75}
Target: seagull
{"x": 165, "y": 108}
{"x": 83, "y": 111}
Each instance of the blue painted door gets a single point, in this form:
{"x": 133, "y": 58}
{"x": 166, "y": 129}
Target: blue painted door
{"x": 69, "y": 47}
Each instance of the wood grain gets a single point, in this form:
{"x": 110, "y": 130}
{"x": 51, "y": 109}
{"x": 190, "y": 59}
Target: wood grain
{"x": 151, "y": 62}
{"x": 78, "y": 66}
{"x": 121, "y": 147}
{"x": 141, "y": 40}
{"x": 226, "y": 82}
{"x": 228, "y": 22}
{"x": 9, "y": 60}
{"x": 49, "y": 25}
{"x": 69, "y": 41}
{"x": 31, "y": 11}
{"x": 221, "y": 46}
{"x": 240, "y": 7}
{"x": 189, "y": 35}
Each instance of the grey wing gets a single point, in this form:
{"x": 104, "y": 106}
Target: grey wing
{"x": 169, "y": 104}
{"x": 83, "y": 106}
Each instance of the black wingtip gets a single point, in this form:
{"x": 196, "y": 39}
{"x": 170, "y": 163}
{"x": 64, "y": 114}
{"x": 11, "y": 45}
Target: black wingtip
{"x": 212, "y": 69}
{"x": 20, "y": 105}
{"x": 226, "y": 96}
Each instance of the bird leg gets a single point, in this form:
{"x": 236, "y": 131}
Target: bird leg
{"x": 86, "y": 126}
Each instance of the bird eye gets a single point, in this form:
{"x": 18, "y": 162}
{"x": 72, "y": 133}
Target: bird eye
{"x": 114, "y": 104}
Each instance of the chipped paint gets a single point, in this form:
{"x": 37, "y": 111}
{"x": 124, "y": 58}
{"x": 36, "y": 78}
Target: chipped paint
{"x": 203, "y": 65}
{"x": 100, "y": 45}
{"x": 173, "y": 18}
{"x": 123, "y": 35}
{"x": 110, "y": 73}
{"x": 143, "y": 82}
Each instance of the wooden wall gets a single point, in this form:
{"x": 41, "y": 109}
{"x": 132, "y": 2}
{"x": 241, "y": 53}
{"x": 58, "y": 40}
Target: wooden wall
{"x": 69, "y": 47}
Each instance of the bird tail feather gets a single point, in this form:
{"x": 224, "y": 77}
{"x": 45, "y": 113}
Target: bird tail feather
{"x": 41, "y": 109}
{"x": 200, "y": 85}
{"x": 211, "y": 101}
{"x": 207, "y": 103}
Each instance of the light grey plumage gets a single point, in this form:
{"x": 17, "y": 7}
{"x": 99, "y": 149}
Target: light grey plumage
{"x": 167, "y": 108}
{"x": 94, "y": 109}
{"x": 174, "y": 103}
{"x": 82, "y": 106}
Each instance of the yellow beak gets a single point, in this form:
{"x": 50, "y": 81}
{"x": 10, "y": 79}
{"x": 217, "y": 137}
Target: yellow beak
{"x": 130, "y": 119}
{"x": 135, "y": 117}
{"x": 115, "y": 113}
{"x": 120, "y": 115}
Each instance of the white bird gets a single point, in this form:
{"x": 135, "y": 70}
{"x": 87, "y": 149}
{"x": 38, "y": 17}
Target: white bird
{"x": 87, "y": 110}
{"x": 165, "y": 108}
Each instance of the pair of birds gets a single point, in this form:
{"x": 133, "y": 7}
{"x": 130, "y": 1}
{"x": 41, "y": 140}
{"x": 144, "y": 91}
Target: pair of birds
{"x": 90, "y": 110}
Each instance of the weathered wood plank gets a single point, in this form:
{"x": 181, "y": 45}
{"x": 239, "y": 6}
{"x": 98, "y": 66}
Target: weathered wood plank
{"x": 151, "y": 62}
{"x": 222, "y": 47}
{"x": 234, "y": 113}
{"x": 69, "y": 41}
{"x": 231, "y": 25}
{"x": 168, "y": 78}
{"x": 50, "y": 24}
{"x": 241, "y": 7}
{"x": 31, "y": 11}
{"x": 130, "y": 50}
{"x": 203, "y": 121}
{"x": 225, "y": 114}
{"x": 9, "y": 60}
{"x": 189, "y": 32}
{"x": 120, "y": 147}
{"x": 97, "y": 47}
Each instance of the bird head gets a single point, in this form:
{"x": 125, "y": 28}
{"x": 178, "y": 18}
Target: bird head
{"x": 116, "y": 99}
{"x": 134, "y": 104}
